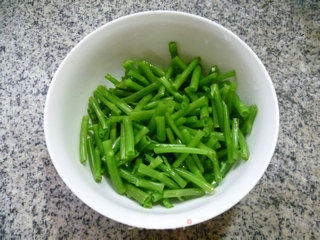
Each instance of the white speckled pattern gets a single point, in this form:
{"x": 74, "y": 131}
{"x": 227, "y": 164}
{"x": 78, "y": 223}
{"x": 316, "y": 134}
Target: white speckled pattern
{"x": 35, "y": 37}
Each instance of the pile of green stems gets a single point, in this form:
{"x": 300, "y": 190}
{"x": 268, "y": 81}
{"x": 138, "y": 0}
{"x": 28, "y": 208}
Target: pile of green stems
{"x": 163, "y": 136}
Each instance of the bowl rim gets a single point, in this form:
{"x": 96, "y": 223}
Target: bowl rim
{"x": 162, "y": 224}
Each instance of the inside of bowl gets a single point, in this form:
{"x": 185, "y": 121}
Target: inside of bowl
{"x": 146, "y": 37}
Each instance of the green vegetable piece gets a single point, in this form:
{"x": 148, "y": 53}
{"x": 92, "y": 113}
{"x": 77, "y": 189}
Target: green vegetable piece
{"x": 92, "y": 115}
{"x": 115, "y": 100}
{"x": 202, "y": 101}
{"x": 156, "y": 69}
{"x": 211, "y": 78}
{"x": 116, "y": 144}
{"x": 169, "y": 72}
{"x": 154, "y": 104}
{"x": 104, "y": 133}
{"x": 193, "y": 143}
{"x": 235, "y": 138}
{"x": 129, "y": 137}
{"x": 241, "y": 108}
{"x": 147, "y": 204}
{"x": 129, "y": 65}
{"x": 244, "y": 152}
{"x": 230, "y": 96}
{"x": 170, "y": 136}
{"x": 161, "y": 128}
{"x": 215, "y": 120}
{"x": 108, "y": 104}
{"x": 160, "y": 94}
{"x": 167, "y": 169}
{"x": 193, "y": 167}
{"x": 216, "y": 168}
{"x": 97, "y": 168}
{"x": 169, "y": 87}
{"x": 94, "y": 161}
{"x": 187, "y": 192}
{"x": 121, "y": 85}
{"x": 136, "y": 165}
{"x": 141, "y": 93}
{"x": 192, "y": 119}
{"x": 193, "y": 164}
{"x": 102, "y": 118}
{"x": 141, "y": 115}
{"x": 195, "y": 78}
{"x": 140, "y": 182}
{"x": 154, "y": 162}
{"x": 218, "y": 135}
{"x": 185, "y": 102}
{"x": 146, "y": 70}
{"x": 120, "y": 92}
{"x": 177, "y": 148}
{"x": 184, "y": 75}
{"x": 173, "y": 49}
{"x": 204, "y": 115}
{"x": 214, "y": 69}
{"x": 111, "y": 79}
{"x": 247, "y": 125}
{"x": 83, "y": 139}
{"x": 195, "y": 179}
{"x": 132, "y": 84}
{"x": 123, "y": 155}
{"x": 138, "y": 77}
{"x": 198, "y": 163}
{"x": 225, "y": 168}
{"x": 215, "y": 95}
{"x": 142, "y": 103}
{"x": 174, "y": 127}
{"x": 137, "y": 194}
{"x": 156, "y": 196}
{"x": 116, "y": 119}
{"x": 226, "y": 75}
{"x": 160, "y": 176}
{"x": 181, "y": 121}
{"x": 227, "y": 132}
{"x": 178, "y": 63}
{"x": 143, "y": 144}
{"x": 113, "y": 132}
{"x": 112, "y": 168}
{"x": 140, "y": 134}
{"x": 191, "y": 94}
{"x": 161, "y": 109}
{"x": 171, "y": 172}
{"x": 97, "y": 138}
{"x": 213, "y": 143}
{"x": 166, "y": 203}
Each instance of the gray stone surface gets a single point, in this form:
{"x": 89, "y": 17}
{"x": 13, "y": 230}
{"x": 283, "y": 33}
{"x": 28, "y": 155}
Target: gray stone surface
{"x": 34, "y": 38}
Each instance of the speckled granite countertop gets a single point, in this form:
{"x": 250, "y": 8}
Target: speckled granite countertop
{"x": 35, "y": 37}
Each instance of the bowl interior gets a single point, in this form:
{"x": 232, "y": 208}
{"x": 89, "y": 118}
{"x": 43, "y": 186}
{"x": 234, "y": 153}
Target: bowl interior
{"x": 146, "y": 36}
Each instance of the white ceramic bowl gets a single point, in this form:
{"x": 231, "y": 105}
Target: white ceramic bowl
{"x": 145, "y": 36}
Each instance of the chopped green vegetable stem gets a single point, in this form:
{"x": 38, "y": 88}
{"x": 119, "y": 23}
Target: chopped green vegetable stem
{"x": 184, "y": 75}
{"x": 94, "y": 161}
{"x": 112, "y": 168}
{"x": 173, "y": 49}
{"x": 195, "y": 179}
{"x": 102, "y": 118}
{"x": 129, "y": 137}
{"x": 195, "y": 78}
{"x": 187, "y": 192}
{"x": 160, "y": 176}
{"x": 83, "y": 139}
